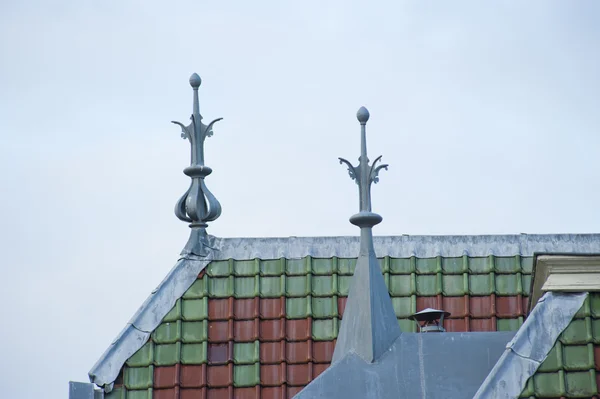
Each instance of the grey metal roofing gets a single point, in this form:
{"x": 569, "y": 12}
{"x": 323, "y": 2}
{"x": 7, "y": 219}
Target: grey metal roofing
{"x": 531, "y": 345}
{"x": 424, "y": 366}
{"x": 186, "y": 270}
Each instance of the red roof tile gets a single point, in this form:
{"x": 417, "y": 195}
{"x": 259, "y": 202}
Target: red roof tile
{"x": 272, "y": 374}
{"x": 246, "y": 309}
{"x": 166, "y": 377}
{"x": 246, "y": 330}
{"x": 299, "y": 329}
{"x": 272, "y": 352}
{"x": 272, "y": 308}
{"x": 272, "y": 330}
{"x": 193, "y": 376}
{"x": 220, "y": 376}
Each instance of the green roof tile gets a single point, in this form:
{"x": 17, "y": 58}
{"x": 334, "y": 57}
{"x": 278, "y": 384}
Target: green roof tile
{"x": 145, "y": 394}
{"x": 553, "y": 361}
{"x": 508, "y": 324}
{"x": 548, "y": 385}
{"x": 404, "y": 306}
{"x": 116, "y": 393}
{"x": 480, "y": 265}
{"x": 272, "y": 267}
{"x": 324, "y": 266}
{"x": 297, "y": 286}
{"x": 272, "y": 287}
{"x": 247, "y": 287}
{"x": 526, "y": 283}
{"x": 222, "y": 268}
{"x": 596, "y": 331}
{"x": 246, "y": 375}
{"x": 508, "y": 264}
{"x": 343, "y": 285}
{"x": 346, "y": 266}
{"x": 325, "y": 330}
{"x": 246, "y": 353}
{"x": 297, "y": 267}
{"x": 402, "y": 265}
{"x": 194, "y": 309}
{"x": 454, "y": 285}
{"x": 167, "y": 354}
{"x": 428, "y": 285}
{"x": 402, "y": 284}
{"x": 576, "y": 333}
{"x": 581, "y": 384}
{"x": 324, "y": 285}
{"x": 324, "y": 307}
{"x": 246, "y": 267}
{"x": 138, "y": 377}
{"x": 220, "y": 287}
{"x": 407, "y": 325}
{"x": 594, "y": 301}
{"x": 481, "y": 284}
{"x": 428, "y": 265}
{"x": 508, "y": 284}
{"x": 197, "y": 290}
{"x": 167, "y": 333}
{"x": 297, "y": 308}
{"x": 527, "y": 264}
{"x": 143, "y": 357}
{"x": 193, "y": 353}
{"x": 174, "y": 314}
{"x": 578, "y": 357}
{"x": 194, "y": 331}
{"x": 454, "y": 265}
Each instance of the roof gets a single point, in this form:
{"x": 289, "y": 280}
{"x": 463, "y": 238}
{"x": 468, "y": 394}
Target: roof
{"x": 415, "y": 366}
{"x": 259, "y": 317}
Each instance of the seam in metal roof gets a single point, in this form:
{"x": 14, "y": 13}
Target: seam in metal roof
{"x": 184, "y": 273}
{"x": 531, "y": 345}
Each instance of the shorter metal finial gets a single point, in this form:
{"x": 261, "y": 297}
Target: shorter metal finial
{"x": 364, "y": 174}
{"x": 198, "y": 205}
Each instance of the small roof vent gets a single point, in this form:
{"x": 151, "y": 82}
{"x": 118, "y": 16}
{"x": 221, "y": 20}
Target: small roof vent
{"x": 430, "y": 320}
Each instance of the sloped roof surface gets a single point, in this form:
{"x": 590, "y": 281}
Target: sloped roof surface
{"x": 572, "y": 368}
{"x": 261, "y": 319}
{"x": 416, "y": 366}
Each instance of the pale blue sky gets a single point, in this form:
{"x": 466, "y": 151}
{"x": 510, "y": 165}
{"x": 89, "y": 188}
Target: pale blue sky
{"x": 487, "y": 114}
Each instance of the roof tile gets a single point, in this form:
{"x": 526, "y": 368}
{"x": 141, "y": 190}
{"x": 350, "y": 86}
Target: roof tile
{"x": 220, "y": 331}
{"x": 273, "y": 393}
{"x": 298, "y": 352}
{"x": 455, "y": 325}
{"x": 220, "y": 376}
{"x": 272, "y": 374}
{"x": 246, "y": 267}
{"x": 272, "y": 308}
{"x": 220, "y": 393}
{"x": 272, "y": 352}
{"x": 194, "y": 353}
{"x": 323, "y": 351}
{"x": 319, "y": 368}
{"x": 325, "y": 330}
{"x": 220, "y": 309}
{"x": 246, "y": 375}
{"x": 298, "y": 374}
{"x": 272, "y": 330}
{"x": 482, "y": 325}
{"x": 248, "y": 393}
{"x": 297, "y": 308}
{"x": 509, "y": 306}
{"x": 164, "y": 394}
{"x": 246, "y": 330}
{"x": 341, "y": 305}
{"x": 246, "y": 287}
{"x": 193, "y": 376}
{"x": 166, "y": 377}
{"x": 272, "y": 287}
{"x": 198, "y": 393}
{"x": 480, "y": 306}
{"x": 457, "y": 305}
{"x": 244, "y": 309}
{"x": 167, "y": 354}
{"x": 194, "y": 331}
{"x": 221, "y": 353}
{"x": 194, "y": 309}
{"x": 246, "y": 352}
{"x": 425, "y": 302}
{"x": 272, "y": 267}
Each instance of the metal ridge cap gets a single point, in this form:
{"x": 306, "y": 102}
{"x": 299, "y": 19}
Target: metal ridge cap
{"x": 423, "y": 246}
{"x": 531, "y": 345}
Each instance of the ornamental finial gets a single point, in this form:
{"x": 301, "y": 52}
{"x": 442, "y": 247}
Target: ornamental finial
{"x": 198, "y": 205}
{"x": 364, "y": 174}
{"x": 369, "y": 326}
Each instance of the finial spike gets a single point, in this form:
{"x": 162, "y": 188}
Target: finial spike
{"x": 198, "y": 205}
{"x": 369, "y": 325}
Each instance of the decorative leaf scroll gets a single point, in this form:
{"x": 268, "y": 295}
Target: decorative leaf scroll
{"x": 374, "y": 173}
{"x": 354, "y": 172}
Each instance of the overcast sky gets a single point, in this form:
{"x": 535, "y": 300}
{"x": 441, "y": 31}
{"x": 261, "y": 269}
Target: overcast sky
{"x": 487, "y": 114}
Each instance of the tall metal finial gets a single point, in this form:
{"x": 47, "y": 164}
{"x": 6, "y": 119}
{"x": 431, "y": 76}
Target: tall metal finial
{"x": 198, "y": 205}
{"x": 369, "y": 325}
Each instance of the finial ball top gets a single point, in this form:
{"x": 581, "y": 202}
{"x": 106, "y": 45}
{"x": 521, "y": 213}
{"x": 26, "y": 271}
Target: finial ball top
{"x": 362, "y": 115}
{"x": 195, "y": 81}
